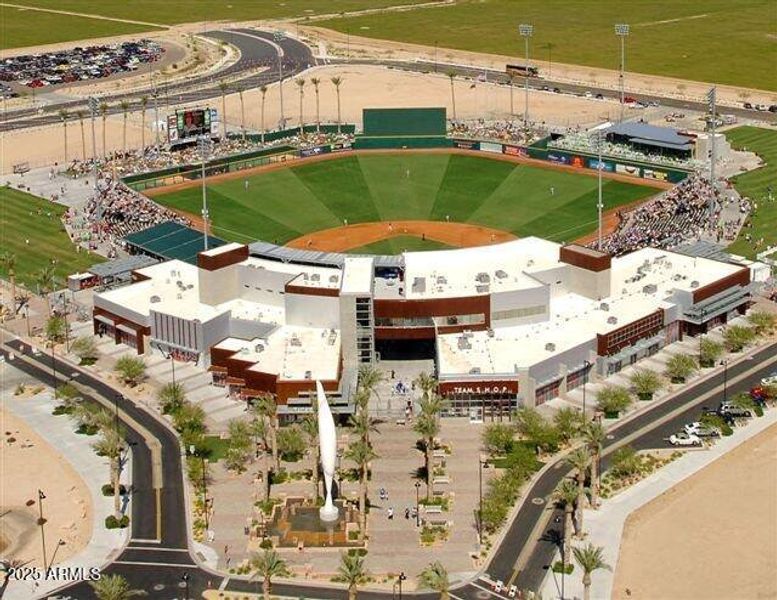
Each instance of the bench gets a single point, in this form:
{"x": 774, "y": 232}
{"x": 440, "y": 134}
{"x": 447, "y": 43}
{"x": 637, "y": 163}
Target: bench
{"x": 441, "y": 480}
{"x": 437, "y": 522}
{"x": 432, "y": 509}
{"x": 400, "y": 421}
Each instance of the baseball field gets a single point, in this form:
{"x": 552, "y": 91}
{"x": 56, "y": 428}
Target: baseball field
{"x": 755, "y": 185}
{"x": 24, "y": 218}
{"x": 283, "y": 204}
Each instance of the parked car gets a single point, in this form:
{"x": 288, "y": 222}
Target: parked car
{"x": 734, "y": 411}
{"x": 773, "y": 108}
{"x": 513, "y": 591}
{"x": 498, "y": 586}
{"x": 759, "y": 395}
{"x": 556, "y": 91}
{"x": 599, "y": 96}
{"x": 684, "y": 439}
{"x": 747, "y": 105}
{"x": 700, "y": 430}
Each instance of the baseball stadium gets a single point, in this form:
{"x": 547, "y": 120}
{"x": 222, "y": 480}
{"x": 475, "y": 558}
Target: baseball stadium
{"x": 222, "y": 241}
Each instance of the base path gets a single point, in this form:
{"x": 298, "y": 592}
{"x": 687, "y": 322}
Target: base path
{"x": 339, "y": 239}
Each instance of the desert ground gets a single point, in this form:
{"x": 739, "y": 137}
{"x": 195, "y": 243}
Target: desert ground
{"x": 29, "y": 464}
{"x": 712, "y": 536}
{"x": 363, "y": 86}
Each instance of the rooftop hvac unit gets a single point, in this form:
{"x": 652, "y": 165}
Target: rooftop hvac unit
{"x": 500, "y": 274}
{"x": 604, "y": 306}
{"x": 333, "y": 278}
{"x": 315, "y": 277}
{"x": 258, "y": 348}
{"x": 650, "y": 288}
{"x": 308, "y": 374}
{"x": 474, "y": 371}
{"x": 490, "y": 333}
{"x": 612, "y": 320}
{"x": 243, "y": 350}
{"x": 154, "y": 299}
{"x": 179, "y": 296}
{"x": 550, "y": 347}
{"x": 694, "y": 284}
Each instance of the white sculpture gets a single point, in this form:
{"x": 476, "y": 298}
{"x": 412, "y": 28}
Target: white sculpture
{"x": 327, "y": 442}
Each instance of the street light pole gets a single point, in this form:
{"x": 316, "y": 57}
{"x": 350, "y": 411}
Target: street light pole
{"x": 185, "y": 579}
{"x": 725, "y": 380}
{"x": 93, "y": 106}
{"x": 205, "y": 491}
{"x": 41, "y": 523}
{"x": 586, "y": 366}
{"x": 401, "y": 578}
{"x": 526, "y": 31}
{"x": 482, "y": 464}
{"x": 622, "y": 31}
{"x": 417, "y": 504}
{"x": 278, "y": 37}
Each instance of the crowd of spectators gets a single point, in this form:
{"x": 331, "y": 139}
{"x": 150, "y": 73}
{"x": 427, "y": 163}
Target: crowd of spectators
{"x": 583, "y": 141}
{"x": 680, "y": 215}
{"x": 507, "y": 132}
{"x": 79, "y": 63}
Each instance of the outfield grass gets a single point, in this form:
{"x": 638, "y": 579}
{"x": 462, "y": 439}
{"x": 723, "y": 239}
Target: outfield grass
{"x": 753, "y": 184}
{"x": 706, "y": 40}
{"x": 284, "y": 204}
{"x": 23, "y": 28}
{"x": 19, "y": 221}
{"x": 20, "y": 28}
{"x": 398, "y": 245}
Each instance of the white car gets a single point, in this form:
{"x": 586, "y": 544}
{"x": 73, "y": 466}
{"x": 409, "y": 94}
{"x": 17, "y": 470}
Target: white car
{"x": 513, "y": 591}
{"x": 498, "y": 586}
{"x": 684, "y": 439}
{"x": 700, "y": 430}
{"x": 770, "y": 379}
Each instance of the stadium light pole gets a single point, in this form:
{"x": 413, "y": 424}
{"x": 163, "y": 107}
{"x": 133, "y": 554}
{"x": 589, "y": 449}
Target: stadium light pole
{"x": 599, "y": 203}
{"x": 204, "y": 146}
{"x": 622, "y": 31}
{"x": 526, "y": 31}
{"x": 94, "y": 105}
{"x": 711, "y": 102}
{"x": 277, "y": 38}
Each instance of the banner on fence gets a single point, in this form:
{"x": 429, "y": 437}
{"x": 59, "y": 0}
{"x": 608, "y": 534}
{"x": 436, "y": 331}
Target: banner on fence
{"x": 491, "y": 147}
{"x": 466, "y": 144}
{"x": 514, "y": 150}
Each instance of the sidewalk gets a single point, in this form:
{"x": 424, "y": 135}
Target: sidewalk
{"x": 58, "y": 431}
{"x": 605, "y": 526}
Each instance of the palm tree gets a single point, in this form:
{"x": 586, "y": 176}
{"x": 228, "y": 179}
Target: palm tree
{"x": 111, "y": 445}
{"x": 369, "y": 378}
{"x": 268, "y": 565}
{"x": 361, "y": 454}
{"x": 124, "y": 108}
{"x": 363, "y": 425}
{"x": 8, "y": 262}
{"x": 351, "y": 572}
{"x": 242, "y": 113}
{"x": 452, "y": 75}
{"x": 310, "y": 427}
{"x": 80, "y": 115}
{"x": 590, "y": 559}
{"x": 268, "y": 406}
{"x": 114, "y": 587}
{"x": 47, "y": 282}
{"x": 316, "y": 82}
{"x": 594, "y": 435}
{"x": 579, "y": 460}
{"x": 263, "y": 91}
{"x": 104, "y": 116}
{"x": 301, "y": 85}
{"x": 143, "y": 105}
{"x": 566, "y": 493}
{"x": 435, "y": 577}
{"x": 428, "y": 428}
{"x": 427, "y": 383}
{"x": 259, "y": 430}
{"x": 223, "y": 87}
{"x": 337, "y": 82}
{"x": 64, "y": 115}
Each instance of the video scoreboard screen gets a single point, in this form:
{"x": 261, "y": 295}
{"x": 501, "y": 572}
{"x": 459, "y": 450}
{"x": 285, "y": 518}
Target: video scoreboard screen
{"x": 186, "y": 125}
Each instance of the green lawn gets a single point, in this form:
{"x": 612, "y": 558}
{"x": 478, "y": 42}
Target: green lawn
{"x": 20, "y": 28}
{"x": 284, "y": 204}
{"x": 753, "y": 184}
{"x": 19, "y": 222}
{"x": 398, "y": 245}
{"x": 691, "y": 39}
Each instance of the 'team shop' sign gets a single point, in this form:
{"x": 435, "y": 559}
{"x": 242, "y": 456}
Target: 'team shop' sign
{"x": 479, "y": 388}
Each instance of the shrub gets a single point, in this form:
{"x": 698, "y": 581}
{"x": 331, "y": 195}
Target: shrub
{"x": 66, "y": 391}
{"x": 568, "y": 422}
{"x": 131, "y": 369}
{"x": 291, "y": 443}
{"x": 266, "y": 544}
{"x": 559, "y": 567}
{"x": 56, "y": 327}
{"x": 625, "y": 462}
{"x": 679, "y": 367}
{"x": 498, "y": 438}
{"x": 736, "y": 337}
{"x": 762, "y": 322}
{"x": 646, "y": 383}
{"x": 612, "y": 400}
{"x": 107, "y": 489}
{"x": 171, "y": 397}
{"x": 111, "y": 522}
{"x": 85, "y": 348}
{"x": 540, "y": 434}
{"x": 710, "y": 352}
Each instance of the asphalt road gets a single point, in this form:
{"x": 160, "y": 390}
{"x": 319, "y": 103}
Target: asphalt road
{"x": 257, "y": 49}
{"x": 158, "y": 567}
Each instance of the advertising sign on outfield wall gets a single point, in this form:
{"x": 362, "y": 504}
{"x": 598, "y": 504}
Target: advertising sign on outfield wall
{"x": 577, "y": 161}
{"x": 341, "y": 147}
{"x": 315, "y": 151}
{"x": 653, "y": 174}
{"x": 514, "y": 150}
{"x": 466, "y": 144}
{"x": 593, "y": 163}
{"x": 491, "y": 147}
{"x": 558, "y": 158}
{"x": 627, "y": 169}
